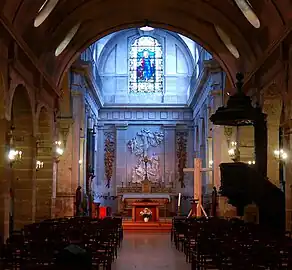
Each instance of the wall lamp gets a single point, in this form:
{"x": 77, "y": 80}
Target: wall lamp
{"x": 39, "y": 165}
{"x": 59, "y": 151}
{"x": 280, "y": 155}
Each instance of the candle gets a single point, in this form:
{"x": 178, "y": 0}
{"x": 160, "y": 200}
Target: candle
{"x": 179, "y": 199}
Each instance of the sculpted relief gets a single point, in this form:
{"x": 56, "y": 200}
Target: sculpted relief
{"x": 139, "y": 146}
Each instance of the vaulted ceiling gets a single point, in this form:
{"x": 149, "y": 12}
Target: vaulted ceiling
{"x": 193, "y": 18}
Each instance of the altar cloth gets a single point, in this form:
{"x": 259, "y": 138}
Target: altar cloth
{"x": 145, "y": 196}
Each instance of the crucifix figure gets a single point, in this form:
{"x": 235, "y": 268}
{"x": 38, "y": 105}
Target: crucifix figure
{"x": 146, "y": 184}
{"x": 197, "y": 170}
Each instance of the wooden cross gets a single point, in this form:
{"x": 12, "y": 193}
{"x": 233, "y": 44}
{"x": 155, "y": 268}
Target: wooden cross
{"x": 197, "y": 170}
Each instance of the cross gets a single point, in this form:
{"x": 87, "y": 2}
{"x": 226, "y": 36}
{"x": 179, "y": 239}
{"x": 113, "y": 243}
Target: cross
{"x": 197, "y": 170}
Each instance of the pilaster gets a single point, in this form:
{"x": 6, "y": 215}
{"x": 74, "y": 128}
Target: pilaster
{"x": 6, "y": 175}
{"x": 100, "y": 175}
{"x": 170, "y": 154}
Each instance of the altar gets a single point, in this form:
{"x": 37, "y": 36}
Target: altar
{"x": 140, "y": 201}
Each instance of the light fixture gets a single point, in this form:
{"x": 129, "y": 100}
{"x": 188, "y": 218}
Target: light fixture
{"x": 80, "y": 161}
{"x": 233, "y": 151}
{"x": 44, "y": 11}
{"x": 70, "y": 35}
{"x": 211, "y": 163}
{"x": 248, "y": 12}
{"x": 59, "y": 150}
{"x": 251, "y": 162}
{"x": 146, "y": 28}
{"x": 280, "y": 155}
{"x": 39, "y": 165}
{"x": 14, "y": 155}
{"x": 227, "y": 42}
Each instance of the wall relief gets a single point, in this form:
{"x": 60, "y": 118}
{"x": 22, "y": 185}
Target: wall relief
{"x": 109, "y": 156}
{"x": 181, "y": 154}
{"x": 139, "y": 146}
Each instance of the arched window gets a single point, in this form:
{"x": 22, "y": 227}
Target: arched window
{"x": 146, "y": 66}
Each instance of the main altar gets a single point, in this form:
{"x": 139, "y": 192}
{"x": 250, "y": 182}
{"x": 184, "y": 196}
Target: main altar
{"x": 138, "y": 196}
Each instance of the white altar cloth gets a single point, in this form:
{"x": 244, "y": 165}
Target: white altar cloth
{"x": 145, "y": 196}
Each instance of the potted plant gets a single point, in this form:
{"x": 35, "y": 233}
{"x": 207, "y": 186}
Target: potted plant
{"x": 146, "y": 214}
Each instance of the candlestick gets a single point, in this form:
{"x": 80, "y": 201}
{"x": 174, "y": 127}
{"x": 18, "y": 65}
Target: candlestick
{"x": 179, "y": 200}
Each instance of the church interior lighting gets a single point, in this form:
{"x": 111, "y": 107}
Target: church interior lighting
{"x": 280, "y": 154}
{"x": 39, "y": 165}
{"x": 63, "y": 45}
{"x": 146, "y": 28}
{"x": 14, "y": 155}
{"x": 59, "y": 149}
{"x": 248, "y": 12}
{"x": 227, "y": 42}
{"x": 44, "y": 11}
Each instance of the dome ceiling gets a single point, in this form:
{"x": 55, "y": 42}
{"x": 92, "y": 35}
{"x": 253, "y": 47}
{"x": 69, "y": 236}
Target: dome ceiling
{"x": 253, "y": 27}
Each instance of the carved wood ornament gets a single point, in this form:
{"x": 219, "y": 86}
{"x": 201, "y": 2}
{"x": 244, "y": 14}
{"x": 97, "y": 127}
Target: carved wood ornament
{"x": 181, "y": 154}
{"x": 109, "y": 156}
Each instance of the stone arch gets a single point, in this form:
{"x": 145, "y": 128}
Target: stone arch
{"x": 44, "y": 176}
{"x": 22, "y": 182}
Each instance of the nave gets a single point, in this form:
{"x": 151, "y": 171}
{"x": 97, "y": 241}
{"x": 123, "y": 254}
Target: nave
{"x": 143, "y": 251}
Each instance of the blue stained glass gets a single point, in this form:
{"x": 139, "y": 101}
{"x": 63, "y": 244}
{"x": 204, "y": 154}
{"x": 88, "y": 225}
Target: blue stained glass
{"x": 146, "y": 66}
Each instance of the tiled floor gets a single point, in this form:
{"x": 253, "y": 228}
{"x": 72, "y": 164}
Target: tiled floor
{"x": 149, "y": 251}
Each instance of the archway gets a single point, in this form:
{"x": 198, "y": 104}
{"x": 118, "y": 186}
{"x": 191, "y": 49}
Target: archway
{"x": 44, "y": 174}
{"x": 22, "y": 180}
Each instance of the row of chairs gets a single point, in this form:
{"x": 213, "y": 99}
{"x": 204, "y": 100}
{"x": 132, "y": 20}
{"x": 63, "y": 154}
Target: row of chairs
{"x": 37, "y": 245}
{"x": 215, "y": 243}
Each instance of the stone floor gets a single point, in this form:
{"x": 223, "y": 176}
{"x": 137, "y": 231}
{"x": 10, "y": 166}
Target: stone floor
{"x": 149, "y": 251}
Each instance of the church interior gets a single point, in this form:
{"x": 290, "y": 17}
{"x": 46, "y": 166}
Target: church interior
{"x": 160, "y": 131}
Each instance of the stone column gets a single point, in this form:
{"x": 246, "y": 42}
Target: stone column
{"x": 220, "y": 137}
{"x": 288, "y": 178}
{"x": 121, "y": 159}
{"x": 219, "y": 140}
{"x": 5, "y": 180}
{"x": 100, "y": 177}
{"x": 78, "y": 107}
{"x": 170, "y": 154}
{"x": 272, "y": 106}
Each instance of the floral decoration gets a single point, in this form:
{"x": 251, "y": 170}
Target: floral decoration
{"x": 109, "y": 157}
{"x": 181, "y": 153}
{"x": 146, "y": 213}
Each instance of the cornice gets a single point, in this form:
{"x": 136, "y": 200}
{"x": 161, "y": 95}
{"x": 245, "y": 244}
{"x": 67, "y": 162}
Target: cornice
{"x": 83, "y": 68}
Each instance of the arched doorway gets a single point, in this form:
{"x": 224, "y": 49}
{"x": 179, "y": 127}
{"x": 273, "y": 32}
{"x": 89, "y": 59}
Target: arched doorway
{"x": 22, "y": 171}
{"x": 44, "y": 173}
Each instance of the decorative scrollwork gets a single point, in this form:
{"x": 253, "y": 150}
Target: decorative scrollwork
{"x": 181, "y": 154}
{"x": 109, "y": 156}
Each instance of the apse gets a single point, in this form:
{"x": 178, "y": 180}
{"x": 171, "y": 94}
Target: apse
{"x": 145, "y": 66}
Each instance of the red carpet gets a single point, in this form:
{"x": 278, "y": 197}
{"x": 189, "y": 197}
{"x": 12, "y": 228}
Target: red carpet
{"x": 147, "y": 226}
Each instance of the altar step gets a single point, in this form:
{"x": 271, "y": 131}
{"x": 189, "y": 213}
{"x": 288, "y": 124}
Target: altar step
{"x": 147, "y": 226}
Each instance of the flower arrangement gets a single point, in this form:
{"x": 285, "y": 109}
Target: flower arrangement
{"x": 146, "y": 213}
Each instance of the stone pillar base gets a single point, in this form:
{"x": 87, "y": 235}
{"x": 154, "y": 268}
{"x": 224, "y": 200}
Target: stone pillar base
{"x": 64, "y": 205}
{"x": 225, "y": 209}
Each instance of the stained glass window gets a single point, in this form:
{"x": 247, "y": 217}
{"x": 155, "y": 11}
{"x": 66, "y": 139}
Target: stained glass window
{"x": 146, "y": 66}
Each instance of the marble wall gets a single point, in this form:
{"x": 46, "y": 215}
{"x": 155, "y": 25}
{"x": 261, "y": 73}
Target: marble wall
{"x": 151, "y": 132}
